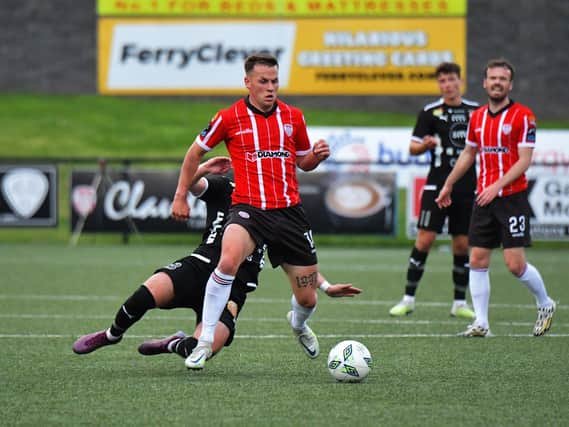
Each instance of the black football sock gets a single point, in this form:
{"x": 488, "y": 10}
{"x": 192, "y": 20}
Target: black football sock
{"x": 184, "y": 347}
{"x": 415, "y": 270}
{"x": 460, "y": 273}
{"x": 132, "y": 310}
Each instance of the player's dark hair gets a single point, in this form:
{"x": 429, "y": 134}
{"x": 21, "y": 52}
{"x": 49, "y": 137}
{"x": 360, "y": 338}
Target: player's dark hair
{"x": 447, "y": 68}
{"x": 499, "y": 62}
{"x": 260, "y": 58}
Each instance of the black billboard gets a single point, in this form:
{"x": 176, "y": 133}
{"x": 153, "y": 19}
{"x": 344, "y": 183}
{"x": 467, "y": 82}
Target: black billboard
{"x": 335, "y": 202}
{"x": 111, "y": 201}
{"x": 28, "y": 196}
{"x": 350, "y": 202}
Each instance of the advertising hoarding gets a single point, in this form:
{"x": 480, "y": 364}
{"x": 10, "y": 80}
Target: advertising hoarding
{"x": 282, "y": 8}
{"x": 335, "y": 202}
{"x": 28, "y": 195}
{"x": 548, "y": 196}
{"x": 316, "y": 56}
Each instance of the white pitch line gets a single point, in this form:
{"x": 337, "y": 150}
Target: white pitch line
{"x": 191, "y": 318}
{"x": 253, "y": 300}
{"x": 268, "y": 337}
{"x": 351, "y": 301}
{"x": 61, "y": 297}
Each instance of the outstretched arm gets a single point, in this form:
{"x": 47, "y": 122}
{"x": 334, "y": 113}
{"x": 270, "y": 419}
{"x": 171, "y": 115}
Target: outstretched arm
{"x": 215, "y": 165}
{"x": 338, "y": 289}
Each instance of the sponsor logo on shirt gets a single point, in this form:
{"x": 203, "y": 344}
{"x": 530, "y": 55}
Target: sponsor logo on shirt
{"x": 267, "y": 154}
{"x": 437, "y": 112}
{"x": 458, "y": 118}
{"x": 495, "y": 150}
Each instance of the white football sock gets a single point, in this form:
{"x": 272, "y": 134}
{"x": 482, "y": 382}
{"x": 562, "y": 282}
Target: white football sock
{"x": 479, "y": 283}
{"x": 532, "y": 279}
{"x": 300, "y": 314}
{"x": 217, "y": 293}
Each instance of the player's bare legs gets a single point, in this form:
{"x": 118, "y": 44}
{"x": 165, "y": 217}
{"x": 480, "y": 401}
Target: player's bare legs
{"x": 515, "y": 260}
{"x": 415, "y": 270}
{"x": 237, "y": 244}
{"x": 157, "y": 291}
{"x": 183, "y": 345}
{"x": 460, "y": 274}
{"x": 425, "y": 239}
{"x": 417, "y": 260}
{"x": 161, "y": 287}
{"x": 304, "y": 282}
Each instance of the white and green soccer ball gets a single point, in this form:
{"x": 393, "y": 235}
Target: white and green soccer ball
{"x": 349, "y": 361}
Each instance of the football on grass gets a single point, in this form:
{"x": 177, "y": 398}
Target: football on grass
{"x": 349, "y": 361}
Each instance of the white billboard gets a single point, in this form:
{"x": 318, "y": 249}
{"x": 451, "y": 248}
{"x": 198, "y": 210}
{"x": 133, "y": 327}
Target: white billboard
{"x": 381, "y": 148}
{"x": 388, "y": 149}
{"x": 549, "y": 200}
{"x": 193, "y": 56}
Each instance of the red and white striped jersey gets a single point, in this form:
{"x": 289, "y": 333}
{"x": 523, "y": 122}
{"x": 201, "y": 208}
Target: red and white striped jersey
{"x": 497, "y": 137}
{"x": 263, "y": 149}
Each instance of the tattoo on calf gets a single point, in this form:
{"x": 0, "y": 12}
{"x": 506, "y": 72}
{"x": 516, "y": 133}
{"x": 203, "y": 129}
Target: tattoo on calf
{"x": 308, "y": 280}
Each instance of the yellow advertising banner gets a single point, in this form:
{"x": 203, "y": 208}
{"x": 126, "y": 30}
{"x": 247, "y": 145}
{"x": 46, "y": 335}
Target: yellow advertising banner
{"x": 282, "y": 8}
{"x": 316, "y": 56}
{"x": 365, "y": 57}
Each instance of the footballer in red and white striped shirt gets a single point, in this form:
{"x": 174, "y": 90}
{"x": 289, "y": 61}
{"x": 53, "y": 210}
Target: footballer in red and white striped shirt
{"x": 267, "y": 140}
{"x": 497, "y": 137}
{"x": 263, "y": 147}
{"x": 503, "y": 134}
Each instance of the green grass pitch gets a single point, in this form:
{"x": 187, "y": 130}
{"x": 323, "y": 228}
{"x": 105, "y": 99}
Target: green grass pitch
{"x": 423, "y": 374}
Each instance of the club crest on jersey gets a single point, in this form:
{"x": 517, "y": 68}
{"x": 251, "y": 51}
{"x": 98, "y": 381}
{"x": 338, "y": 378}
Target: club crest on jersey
{"x": 507, "y": 129}
{"x": 288, "y": 129}
{"x": 267, "y": 154}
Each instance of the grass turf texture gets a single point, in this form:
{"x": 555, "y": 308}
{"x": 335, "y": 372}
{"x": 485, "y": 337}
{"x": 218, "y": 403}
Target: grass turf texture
{"x": 86, "y": 126}
{"x": 423, "y": 374}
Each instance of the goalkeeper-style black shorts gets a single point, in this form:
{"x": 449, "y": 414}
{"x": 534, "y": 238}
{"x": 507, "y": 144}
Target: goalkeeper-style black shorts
{"x": 189, "y": 276}
{"x": 433, "y": 218}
